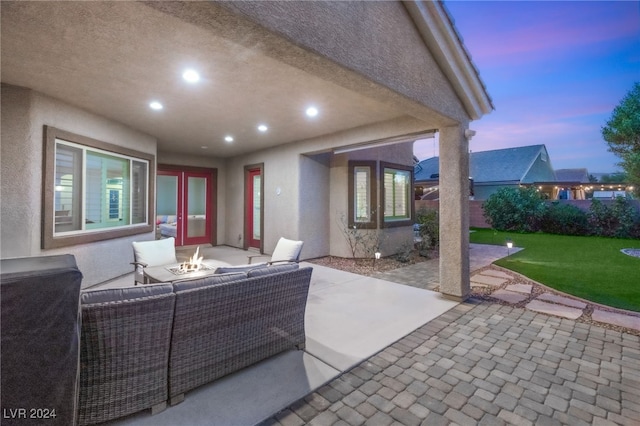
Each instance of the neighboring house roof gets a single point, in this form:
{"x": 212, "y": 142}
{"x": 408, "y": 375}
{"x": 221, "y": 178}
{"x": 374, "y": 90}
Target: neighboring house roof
{"x": 572, "y": 175}
{"x": 523, "y": 164}
{"x": 427, "y": 170}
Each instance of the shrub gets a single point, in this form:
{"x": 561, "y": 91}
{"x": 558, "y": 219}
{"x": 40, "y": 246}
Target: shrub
{"x": 429, "y": 229}
{"x": 404, "y": 253}
{"x": 600, "y": 218}
{"x": 626, "y": 217}
{"x": 362, "y": 242}
{"x": 620, "y": 220}
{"x": 515, "y": 209}
{"x": 564, "y": 219}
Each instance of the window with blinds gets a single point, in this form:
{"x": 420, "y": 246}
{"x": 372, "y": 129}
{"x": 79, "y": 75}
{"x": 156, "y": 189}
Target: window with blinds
{"x": 97, "y": 190}
{"x": 93, "y": 190}
{"x": 397, "y": 194}
{"x": 362, "y": 191}
{"x": 362, "y": 194}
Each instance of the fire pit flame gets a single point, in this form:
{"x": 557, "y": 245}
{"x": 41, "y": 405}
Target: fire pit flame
{"x": 193, "y": 264}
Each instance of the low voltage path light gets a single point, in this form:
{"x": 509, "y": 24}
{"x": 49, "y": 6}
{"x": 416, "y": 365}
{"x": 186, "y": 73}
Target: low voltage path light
{"x": 376, "y": 257}
{"x": 509, "y": 246}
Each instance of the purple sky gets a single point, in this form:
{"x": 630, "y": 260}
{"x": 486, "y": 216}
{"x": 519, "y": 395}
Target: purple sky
{"x": 555, "y": 71}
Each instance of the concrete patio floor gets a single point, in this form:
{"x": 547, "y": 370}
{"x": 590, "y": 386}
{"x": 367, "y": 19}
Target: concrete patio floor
{"x": 380, "y": 353}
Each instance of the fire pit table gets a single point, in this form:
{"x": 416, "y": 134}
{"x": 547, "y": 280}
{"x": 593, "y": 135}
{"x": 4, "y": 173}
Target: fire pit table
{"x": 171, "y": 273}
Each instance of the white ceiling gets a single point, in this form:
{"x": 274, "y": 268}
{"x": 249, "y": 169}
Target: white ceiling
{"x": 113, "y": 58}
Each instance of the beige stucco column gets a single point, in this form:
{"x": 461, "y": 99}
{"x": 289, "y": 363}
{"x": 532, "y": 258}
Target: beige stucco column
{"x": 454, "y": 212}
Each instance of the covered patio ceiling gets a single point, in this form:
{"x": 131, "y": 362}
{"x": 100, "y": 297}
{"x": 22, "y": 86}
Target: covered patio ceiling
{"x": 114, "y": 58}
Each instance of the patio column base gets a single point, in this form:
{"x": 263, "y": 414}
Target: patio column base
{"x": 454, "y": 298}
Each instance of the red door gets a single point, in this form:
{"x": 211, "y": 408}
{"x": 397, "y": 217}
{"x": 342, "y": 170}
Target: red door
{"x": 253, "y": 207}
{"x": 196, "y": 209}
{"x": 169, "y": 205}
{"x": 184, "y": 206}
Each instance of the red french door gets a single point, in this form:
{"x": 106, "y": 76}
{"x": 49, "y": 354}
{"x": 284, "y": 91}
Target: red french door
{"x": 196, "y": 217}
{"x": 184, "y": 206}
{"x": 253, "y": 207}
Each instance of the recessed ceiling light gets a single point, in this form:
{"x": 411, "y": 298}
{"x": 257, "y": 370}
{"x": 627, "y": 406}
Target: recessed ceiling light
{"x": 228, "y": 138}
{"x": 311, "y": 111}
{"x": 263, "y": 128}
{"x": 155, "y": 105}
{"x": 191, "y": 76}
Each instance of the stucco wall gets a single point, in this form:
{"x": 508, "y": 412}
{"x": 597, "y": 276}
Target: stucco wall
{"x": 24, "y": 113}
{"x": 314, "y": 196}
{"x": 312, "y": 185}
{"x": 376, "y": 39}
{"x": 281, "y": 208}
{"x": 392, "y": 238}
{"x": 311, "y": 190}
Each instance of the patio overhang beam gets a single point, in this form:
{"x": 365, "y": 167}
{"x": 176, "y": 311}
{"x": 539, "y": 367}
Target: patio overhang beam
{"x": 410, "y": 137}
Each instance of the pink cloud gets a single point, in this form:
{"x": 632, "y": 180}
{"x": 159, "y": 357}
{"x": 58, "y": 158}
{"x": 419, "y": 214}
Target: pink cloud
{"x": 550, "y": 27}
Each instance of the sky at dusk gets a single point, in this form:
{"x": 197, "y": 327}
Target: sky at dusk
{"x": 555, "y": 71}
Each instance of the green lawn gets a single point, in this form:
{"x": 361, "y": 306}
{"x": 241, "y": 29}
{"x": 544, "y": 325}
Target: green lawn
{"x": 592, "y": 268}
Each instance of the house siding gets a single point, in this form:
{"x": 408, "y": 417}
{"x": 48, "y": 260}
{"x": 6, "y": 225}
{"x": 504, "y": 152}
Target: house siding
{"x": 392, "y": 238}
{"x": 314, "y": 195}
{"x": 24, "y": 114}
{"x": 482, "y": 192}
{"x": 312, "y": 183}
{"x": 540, "y": 171}
{"x": 313, "y": 188}
{"x": 386, "y": 61}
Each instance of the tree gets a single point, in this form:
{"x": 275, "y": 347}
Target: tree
{"x": 614, "y": 178}
{"x": 622, "y": 134}
{"x": 631, "y": 163}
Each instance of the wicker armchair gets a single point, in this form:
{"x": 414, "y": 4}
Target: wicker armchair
{"x": 221, "y": 328}
{"x": 124, "y": 351}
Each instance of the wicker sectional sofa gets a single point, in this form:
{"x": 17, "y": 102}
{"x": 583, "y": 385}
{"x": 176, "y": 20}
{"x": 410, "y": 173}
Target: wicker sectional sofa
{"x": 143, "y": 346}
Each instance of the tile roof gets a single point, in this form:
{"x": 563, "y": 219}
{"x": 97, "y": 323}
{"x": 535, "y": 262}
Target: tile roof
{"x": 499, "y": 165}
{"x": 572, "y": 175}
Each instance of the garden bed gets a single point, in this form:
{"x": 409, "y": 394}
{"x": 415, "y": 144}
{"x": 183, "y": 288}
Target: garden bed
{"x": 370, "y": 267}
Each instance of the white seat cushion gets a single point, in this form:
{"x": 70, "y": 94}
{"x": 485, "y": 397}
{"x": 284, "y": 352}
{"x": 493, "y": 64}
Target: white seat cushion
{"x": 286, "y": 250}
{"x": 155, "y": 253}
